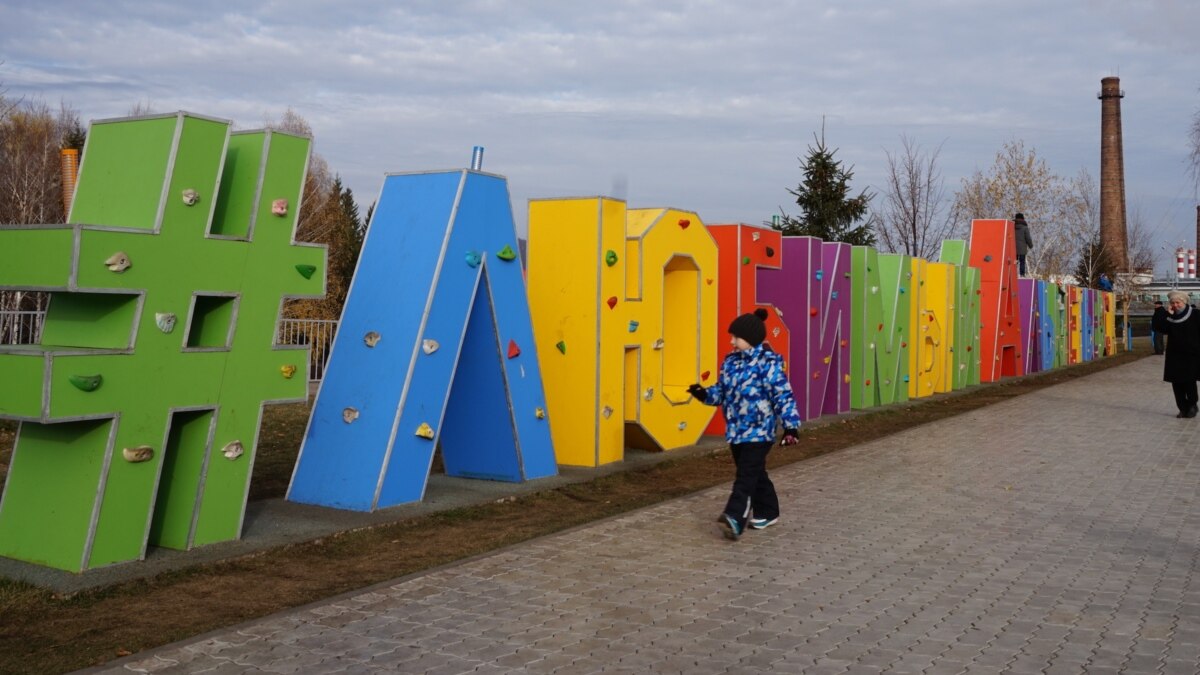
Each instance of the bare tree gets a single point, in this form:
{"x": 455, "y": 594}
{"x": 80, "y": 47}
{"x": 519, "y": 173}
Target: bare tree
{"x": 910, "y": 220}
{"x": 318, "y": 184}
{"x": 1020, "y": 181}
{"x": 31, "y": 135}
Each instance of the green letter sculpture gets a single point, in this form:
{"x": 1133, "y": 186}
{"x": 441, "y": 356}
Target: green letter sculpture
{"x": 140, "y": 406}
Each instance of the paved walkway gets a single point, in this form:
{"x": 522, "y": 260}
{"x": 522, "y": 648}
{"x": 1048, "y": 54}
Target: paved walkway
{"x": 1056, "y": 532}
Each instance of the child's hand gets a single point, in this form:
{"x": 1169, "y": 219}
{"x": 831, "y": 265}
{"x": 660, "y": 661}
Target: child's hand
{"x": 699, "y": 392}
{"x": 790, "y": 437}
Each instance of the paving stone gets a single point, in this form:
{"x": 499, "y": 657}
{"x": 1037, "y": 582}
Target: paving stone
{"x": 917, "y": 552}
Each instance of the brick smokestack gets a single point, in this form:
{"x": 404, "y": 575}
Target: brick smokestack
{"x": 1198, "y": 227}
{"x": 1112, "y": 174}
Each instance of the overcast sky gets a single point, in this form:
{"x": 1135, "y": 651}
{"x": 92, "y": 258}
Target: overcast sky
{"x": 705, "y": 106}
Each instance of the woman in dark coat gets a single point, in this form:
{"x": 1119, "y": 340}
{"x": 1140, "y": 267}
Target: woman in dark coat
{"x": 1181, "y": 367}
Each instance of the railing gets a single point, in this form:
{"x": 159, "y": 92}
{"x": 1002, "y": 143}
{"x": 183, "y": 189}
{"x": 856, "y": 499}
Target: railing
{"x": 24, "y": 327}
{"x": 21, "y": 327}
{"x": 317, "y": 334}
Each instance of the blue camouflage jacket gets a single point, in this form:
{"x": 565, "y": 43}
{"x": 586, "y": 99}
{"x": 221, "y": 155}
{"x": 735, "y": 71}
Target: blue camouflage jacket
{"x": 754, "y": 394}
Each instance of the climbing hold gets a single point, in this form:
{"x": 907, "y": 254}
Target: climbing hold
{"x": 684, "y": 222}
{"x": 906, "y": 378}
{"x": 539, "y": 413}
{"x": 429, "y": 346}
{"x": 371, "y": 338}
{"x": 86, "y": 382}
{"x": 874, "y": 289}
{"x": 306, "y": 271}
{"x": 868, "y": 383}
{"x": 812, "y": 311}
{"x": 507, "y": 254}
{"x": 118, "y": 262}
{"x": 279, "y": 207}
{"x": 779, "y": 312}
{"x": 287, "y": 371}
{"x": 612, "y": 302}
{"x": 843, "y": 344}
{"x": 606, "y": 411}
{"x": 165, "y": 321}
{"x": 513, "y": 350}
{"x": 770, "y": 252}
{"x": 610, "y": 258}
{"x": 190, "y": 197}
{"x": 682, "y": 426}
{"x": 705, "y": 375}
{"x": 901, "y": 289}
{"x": 349, "y": 415}
{"x": 473, "y": 258}
{"x": 816, "y": 375}
{"x": 561, "y": 346}
{"x": 425, "y": 431}
{"x": 820, "y": 274}
{"x": 846, "y": 379}
{"x": 233, "y": 450}
{"x": 826, "y": 360}
{"x": 658, "y": 344}
{"x": 708, "y": 281}
{"x": 880, "y": 326}
{"x": 833, "y": 295}
{"x": 649, "y": 394}
{"x": 137, "y": 454}
{"x": 775, "y": 331}
{"x": 746, "y": 260}
{"x": 987, "y": 258}
{"x": 633, "y": 326}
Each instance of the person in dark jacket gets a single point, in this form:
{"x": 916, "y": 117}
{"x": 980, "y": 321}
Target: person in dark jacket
{"x": 1024, "y": 241}
{"x": 755, "y": 396}
{"x": 1181, "y": 367}
{"x": 1156, "y": 336}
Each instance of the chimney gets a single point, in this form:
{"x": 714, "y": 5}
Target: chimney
{"x": 1112, "y": 174}
{"x": 69, "y": 161}
{"x": 1198, "y": 226}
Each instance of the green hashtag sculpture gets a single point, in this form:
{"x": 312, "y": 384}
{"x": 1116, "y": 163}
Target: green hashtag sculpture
{"x": 141, "y": 405}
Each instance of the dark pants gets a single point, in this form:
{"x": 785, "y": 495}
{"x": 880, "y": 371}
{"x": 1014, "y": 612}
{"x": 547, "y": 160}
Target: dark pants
{"x": 753, "y": 491}
{"x": 1157, "y": 338}
{"x": 1185, "y": 394}
{"x": 1021, "y": 265}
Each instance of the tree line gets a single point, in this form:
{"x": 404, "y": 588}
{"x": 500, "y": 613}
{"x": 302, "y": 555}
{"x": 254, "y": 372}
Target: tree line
{"x": 909, "y": 213}
{"x": 32, "y": 134}
{"x": 912, "y": 213}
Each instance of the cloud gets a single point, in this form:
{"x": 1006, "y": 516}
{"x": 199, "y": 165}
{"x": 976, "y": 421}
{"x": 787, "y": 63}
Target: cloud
{"x": 703, "y": 105}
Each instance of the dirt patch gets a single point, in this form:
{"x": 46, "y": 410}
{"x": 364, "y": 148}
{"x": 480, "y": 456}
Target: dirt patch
{"x": 47, "y": 632}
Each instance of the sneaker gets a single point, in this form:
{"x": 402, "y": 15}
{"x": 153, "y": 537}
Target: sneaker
{"x": 730, "y": 527}
{"x": 763, "y": 523}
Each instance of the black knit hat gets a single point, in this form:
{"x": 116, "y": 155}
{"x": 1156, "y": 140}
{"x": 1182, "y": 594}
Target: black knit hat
{"x": 1019, "y": 216}
{"x": 750, "y": 327}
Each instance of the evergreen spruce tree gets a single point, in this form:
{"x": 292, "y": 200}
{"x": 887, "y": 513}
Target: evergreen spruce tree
{"x": 827, "y": 210}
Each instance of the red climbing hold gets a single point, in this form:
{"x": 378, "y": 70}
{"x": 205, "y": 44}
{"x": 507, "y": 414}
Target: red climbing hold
{"x": 513, "y": 350}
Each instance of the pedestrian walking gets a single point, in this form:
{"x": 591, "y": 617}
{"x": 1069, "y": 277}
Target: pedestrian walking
{"x": 753, "y": 392}
{"x": 1181, "y": 367}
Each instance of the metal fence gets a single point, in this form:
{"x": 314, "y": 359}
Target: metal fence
{"x": 317, "y": 334}
{"x": 24, "y": 327}
{"x": 21, "y": 327}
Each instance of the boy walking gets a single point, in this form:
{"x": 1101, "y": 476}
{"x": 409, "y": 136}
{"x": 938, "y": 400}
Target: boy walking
{"x": 754, "y": 394}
